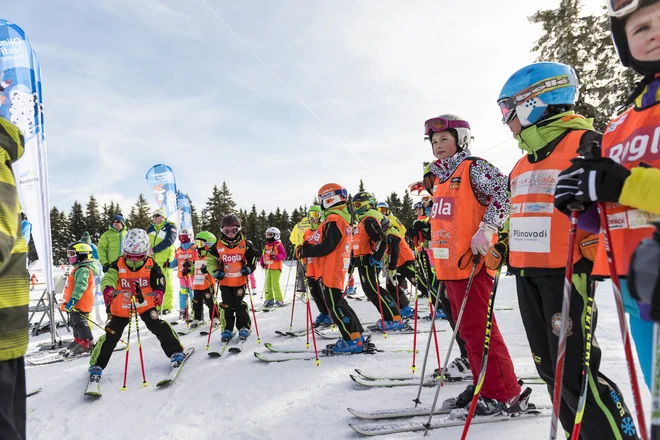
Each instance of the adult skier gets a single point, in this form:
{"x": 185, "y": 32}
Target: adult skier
{"x": 627, "y": 180}
{"x": 550, "y": 132}
{"x": 162, "y": 235}
{"x": 271, "y": 260}
{"x": 470, "y": 204}
{"x": 134, "y": 276}
{"x": 231, "y": 260}
{"x": 110, "y": 243}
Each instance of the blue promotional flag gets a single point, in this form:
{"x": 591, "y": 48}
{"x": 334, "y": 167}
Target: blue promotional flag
{"x": 185, "y": 213}
{"x": 160, "y": 179}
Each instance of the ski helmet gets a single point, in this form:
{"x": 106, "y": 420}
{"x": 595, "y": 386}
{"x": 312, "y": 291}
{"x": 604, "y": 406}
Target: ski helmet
{"x": 384, "y": 208}
{"x": 230, "y": 226}
{"x": 455, "y": 124}
{"x": 315, "y": 212}
{"x": 273, "y": 233}
{"x": 362, "y": 202}
{"x": 204, "y": 240}
{"x": 418, "y": 205}
{"x": 531, "y": 90}
{"x": 332, "y": 194}
{"x": 184, "y": 236}
{"x": 136, "y": 245}
{"x": 385, "y": 223}
{"x": 79, "y": 252}
{"x": 619, "y": 10}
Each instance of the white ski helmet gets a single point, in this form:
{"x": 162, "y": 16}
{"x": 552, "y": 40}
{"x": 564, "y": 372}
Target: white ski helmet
{"x": 456, "y": 124}
{"x": 274, "y": 231}
{"x": 136, "y": 245}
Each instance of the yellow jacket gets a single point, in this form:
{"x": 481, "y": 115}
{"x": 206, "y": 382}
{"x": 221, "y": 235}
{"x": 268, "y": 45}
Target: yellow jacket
{"x": 298, "y": 233}
{"x": 397, "y": 224}
{"x": 641, "y": 190}
{"x": 14, "y": 293}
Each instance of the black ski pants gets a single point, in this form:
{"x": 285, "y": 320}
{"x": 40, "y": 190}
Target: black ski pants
{"x": 201, "y": 297}
{"x": 371, "y": 287}
{"x": 12, "y": 399}
{"x": 343, "y": 316}
{"x": 300, "y": 277}
{"x": 80, "y": 325}
{"x": 540, "y": 300}
{"x": 167, "y": 337}
{"x": 405, "y": 271}
{"x": 317, "y": 296}
{"x": 236, "y": 310}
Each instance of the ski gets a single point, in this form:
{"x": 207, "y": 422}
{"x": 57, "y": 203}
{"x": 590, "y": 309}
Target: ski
{"x": 54, "y": 358}
{"x": 373, "y": 377}
{"x": 399, "y": 427}
{"x": 33, "y": 392}
{"x": 385, "y": 383}
{"x": 189, "y": 330}
{"x": 272, "y": 309}
{"x": 206, "y": 332}
{"x": 223, "y": 348}
{"x": 174, "y": 373}
{"x": 369, "y": 331}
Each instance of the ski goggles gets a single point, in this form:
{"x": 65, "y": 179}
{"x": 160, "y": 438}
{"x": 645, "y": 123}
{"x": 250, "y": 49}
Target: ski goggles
{"x": 383, "y": 210}
{"x": 134, "y": 257}
{"x": 621, "y": 8}
{"x": 270, "y": 235}
{"x": 508, "y": 109}
{"x": 418, "y": 205}
{"x": 441, "y": 124}
{"x": 71, "y": 253}
{"x": 314, "y": 214}
{"x": 230, "y": 231}
{"x": 201, "y": 244}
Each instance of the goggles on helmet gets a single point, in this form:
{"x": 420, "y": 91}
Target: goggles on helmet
{"x": 383, "y": 210}
{"x": 418, "y": 205}
{"x": 270, "y": 235}
{"x": 508, "y": 109}
{"x": 71, "y": 253}
{"x": 440, "y": 124}
{"x": 201, "y": 244}
{"x": 621, "y": 8}
{"x": 134, "y": 257}
{"x": 314, "y": 214}
{"x": 230, "y": 231}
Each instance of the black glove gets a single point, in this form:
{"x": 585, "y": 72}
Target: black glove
{"x": 166, "y": 264}
{"x": 245, "y": 270}
{"x": 186, "y": 264}
{"x": 203, "y": 269}
{"x": 106, "y": 267}
{"x": 185, "y": 271}
{"x": 588, "y": 181}
{"x": 218, "y": 275}
{"x": 138, "y": 292}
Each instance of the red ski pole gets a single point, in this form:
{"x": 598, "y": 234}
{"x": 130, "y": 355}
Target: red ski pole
{"x": 309, "y": 319}
{"x": 128, "y": 346}
{"x": 413, "y": 367}
{"x": 137, "y": 332}
{"x": 623, "y": 324}
{"x": 435, "y": 335}
{"x": 380, "y": 303}
{"x": 307, "y": 323}
{"x": 254, "y": 315}
{"x": 213, "y": 312}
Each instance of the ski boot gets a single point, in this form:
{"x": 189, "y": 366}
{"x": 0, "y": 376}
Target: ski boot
{"x": 176, "y": 359}
{"x": 322, "y": 320}
{"x": 350, "y": 290}
{"x": 196, "y": 323}
{"x": 390, "y": 325}
{"x": 458, "y": 369}
{"x": 82, "y": 347}
{"x": 279, "y": 304}
{"x": 349, "y": 347}
{"x": 216, "y": 323}
{"x": 268, "y": 303}
{"x": 460, "y": 401}
{"x": 182, "y": 314}
{"x": 95, "y": 373}
{"x": 243, "y": 334}
{"x": 407, "y": 312}
{"x": 226, "y": 335}
{"x": 166, "y": 312}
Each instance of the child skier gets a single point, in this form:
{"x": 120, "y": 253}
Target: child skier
{"x": 78, "y": 299}
{"x": 134, "y": 275}
{"x": 626, "y": 180}
{"x": 400, "y": 265}
{"x": 203, "y": 283}
{"x": 184, "y": 259}
{"x": 312, "y": 236}
{"x": 230, "y": 261}
{"x": 271, "y": 260}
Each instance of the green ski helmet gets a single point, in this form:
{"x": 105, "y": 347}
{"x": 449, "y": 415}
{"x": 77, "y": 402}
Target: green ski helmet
{"x": 204, "y": 240}
{"x": 363, "y": 201}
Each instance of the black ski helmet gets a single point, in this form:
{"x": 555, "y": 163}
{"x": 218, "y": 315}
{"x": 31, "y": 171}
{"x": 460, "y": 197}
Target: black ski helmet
{"x": 230, "y": 220}
{"x": 618, "y": 29}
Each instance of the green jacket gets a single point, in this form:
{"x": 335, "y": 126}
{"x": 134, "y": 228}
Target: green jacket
{"x": 161, "y": 239}
{"x": 81, "y": 276}
{"x": 110, "y": 245}
{"x": 14, "y": 293}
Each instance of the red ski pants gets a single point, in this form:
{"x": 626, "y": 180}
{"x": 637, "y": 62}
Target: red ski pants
{"x": 501, "y": 382}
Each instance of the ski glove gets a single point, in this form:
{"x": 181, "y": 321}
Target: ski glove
{"x": 245, "y": 270}
{"x": 482, "y": 240}
{"x": 497, "y": 255}
{"x": 108, "y": 295}
{"x": 203, "y": 269}
{"x": 71, "y": 305}
{"x": 158, "y": 297}
{"x": 391, "y": 274}
{"x": 138, "y": 292}
{"x": 166, "y": 265}
{"x": 106, "y": 267}
{"x": 589, "y": 247}
{"x": 590, "y": 180}
{"x": 185, "y": 271}
{"x": 218, "y": 275}
{"x": 377, "y": 264}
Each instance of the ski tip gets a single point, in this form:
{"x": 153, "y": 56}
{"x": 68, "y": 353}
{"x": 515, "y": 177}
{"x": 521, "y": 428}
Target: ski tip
{"x": 214, "y": 354}
{"x": 353, "y": 378}
{"x": 267, "y": 344}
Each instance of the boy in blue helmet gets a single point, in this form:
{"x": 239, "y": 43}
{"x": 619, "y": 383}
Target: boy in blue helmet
{"x": 626, "y": 179}
{"x": 537, "y": 105}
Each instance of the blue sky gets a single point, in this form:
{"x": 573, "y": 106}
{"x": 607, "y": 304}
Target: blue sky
{"x": 274, "y": 97}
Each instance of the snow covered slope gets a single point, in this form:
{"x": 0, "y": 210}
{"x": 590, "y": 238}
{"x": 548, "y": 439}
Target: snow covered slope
{"x": 237, "y": 396}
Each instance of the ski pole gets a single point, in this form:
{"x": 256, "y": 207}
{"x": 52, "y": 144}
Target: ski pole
{"x": 441, "y": 381}
{"x": 254, "y": 315}
{"x": 307, "y": 325}
{"x": 623, "y": 324}
{"x": 413, "y": 367}
{"x": 435, "y": 331}
{"x": 213, "y": 312}
{"x": 441, "y": 288}
{"x": 563, "y": 330}
{"x": 309, "y": 319}
{"x": 106, "y": 329}
{"x": 293, "y": 307}
{"x": 286, "y": 287}
{"x": 380, "y": 300}
{"x": 263, "y": 291}
{"x": 137, "y": 332}
{"x": 584, "y": 386}
{"x": 128, "y": 346}
{"x": 484, "y": 358}
{"x": 322, "y": 287}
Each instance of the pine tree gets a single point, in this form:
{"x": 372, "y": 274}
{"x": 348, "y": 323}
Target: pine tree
{"x": 250, "y": 224}
{"x": 407, "y": 214}
{"x": 262, "y": 224}
{"x": 361, "y": 187}
{"x": 196, "y": 223}
{"x": 93, "y": 219}
{"x": 59, "y": 233}
{"x": 140, "y": 216}
{"x": 285, "y": 229}
{"x": 213, "y": 212}
{"x": 77, "y": 224}
{"x": 584, "y": 43}
{"x": 226, "y": 202}
{"x": 395, "y": 204}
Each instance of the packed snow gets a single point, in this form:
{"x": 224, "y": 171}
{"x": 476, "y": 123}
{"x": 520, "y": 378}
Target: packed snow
{"x": 238, "y": 396}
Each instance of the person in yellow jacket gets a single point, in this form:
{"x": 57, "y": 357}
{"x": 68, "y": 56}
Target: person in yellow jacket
{"x": 297, "y": 237}
{"x": 384, "y": 208}
{"x": 162, "y": 235}
{"x": 14, "y": 290}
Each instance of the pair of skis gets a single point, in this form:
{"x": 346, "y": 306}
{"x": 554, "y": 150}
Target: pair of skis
{"x": 225, "y": 346}
{"x": 375, "y": 381}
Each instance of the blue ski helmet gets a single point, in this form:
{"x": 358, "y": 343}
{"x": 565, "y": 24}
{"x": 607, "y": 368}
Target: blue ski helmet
{"x": 528, "y": 92}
